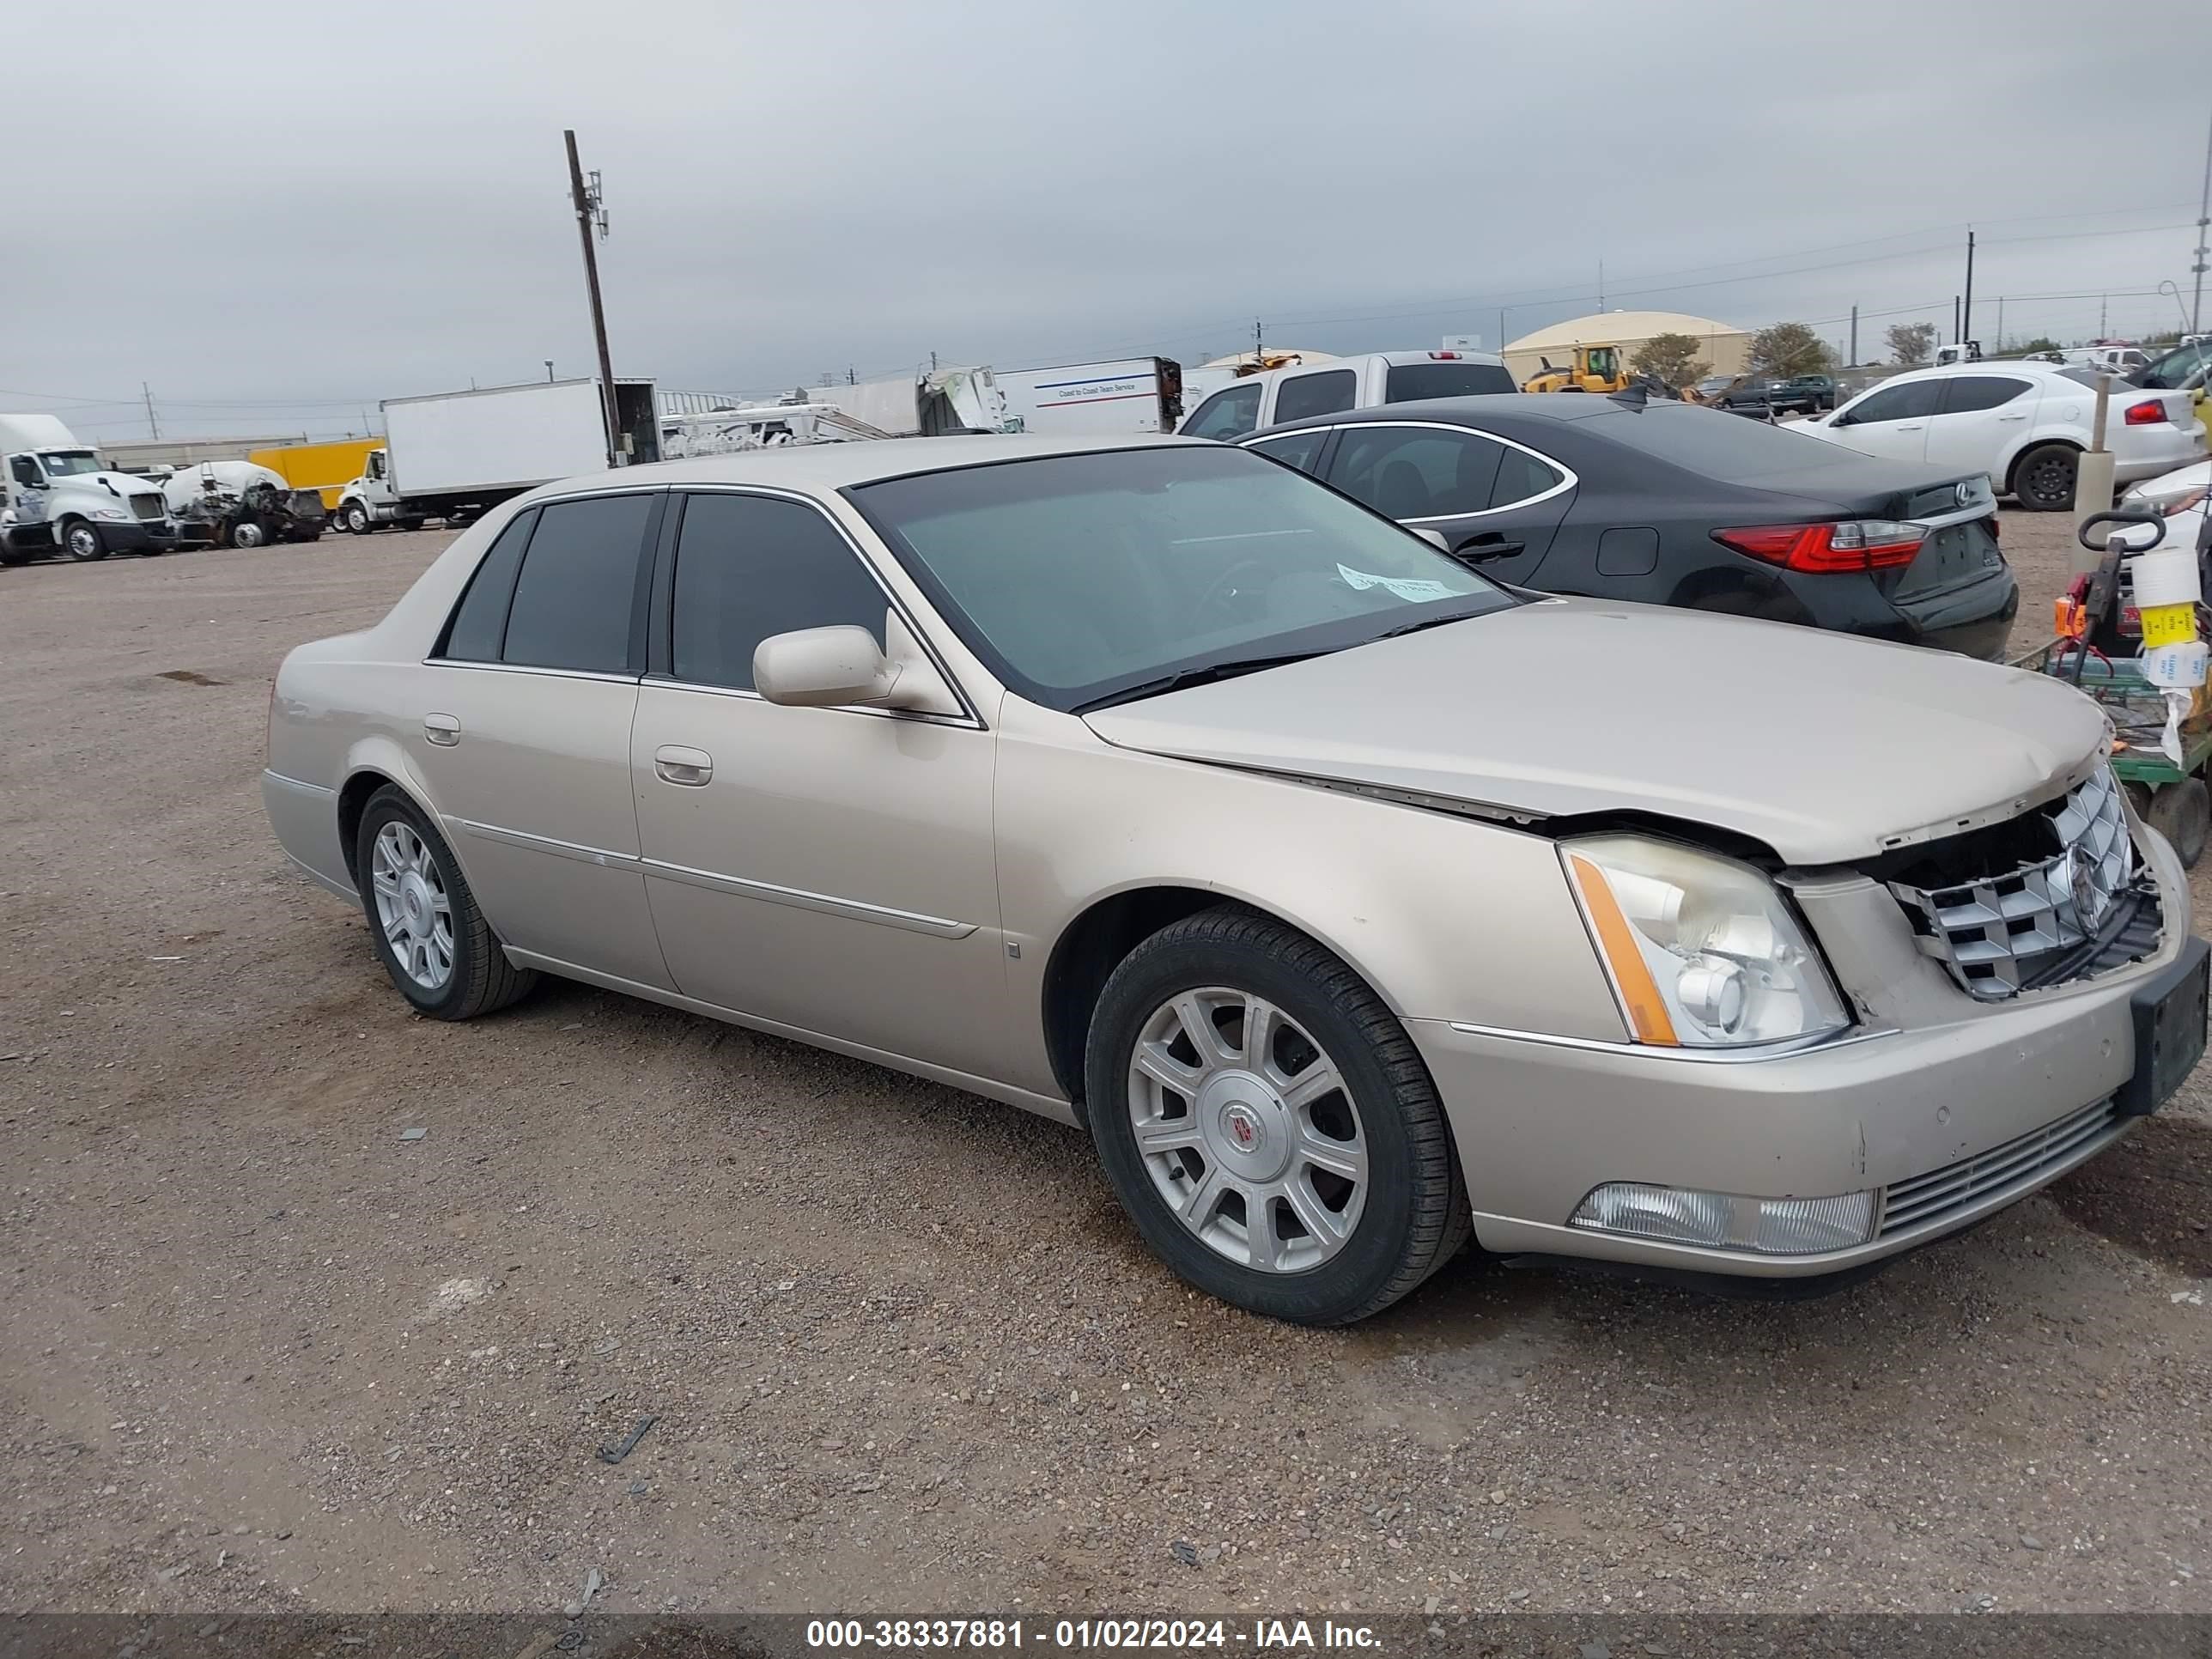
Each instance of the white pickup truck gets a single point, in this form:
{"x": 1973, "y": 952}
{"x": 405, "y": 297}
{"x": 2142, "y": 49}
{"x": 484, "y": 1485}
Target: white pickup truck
{"x": 1340, "y": 383}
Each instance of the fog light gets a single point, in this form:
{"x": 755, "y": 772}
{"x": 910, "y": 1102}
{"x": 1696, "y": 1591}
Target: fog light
{"x": 1723, "y": 1221}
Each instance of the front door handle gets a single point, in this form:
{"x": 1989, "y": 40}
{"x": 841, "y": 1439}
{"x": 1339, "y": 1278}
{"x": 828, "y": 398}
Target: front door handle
{"x": 443, "y": 730}
{"x": 1915, "y": 427}
{"x": 689, "y": 769}
{"x": 1481, "y": 549}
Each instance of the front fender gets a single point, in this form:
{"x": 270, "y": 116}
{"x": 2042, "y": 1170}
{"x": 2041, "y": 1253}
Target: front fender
{"x": 1447, "y": 917}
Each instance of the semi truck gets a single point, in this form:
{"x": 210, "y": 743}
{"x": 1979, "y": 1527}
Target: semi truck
{"x": 460, "y": 454}
{"x": 56, "y": 496}
{"x": 1129, "y": 394}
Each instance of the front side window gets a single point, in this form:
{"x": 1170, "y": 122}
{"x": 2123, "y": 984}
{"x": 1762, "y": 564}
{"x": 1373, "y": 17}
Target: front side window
{"x": 1971, "y": 393}
{"x": 1895, "y": 403}
{"x": 1091, "y": 578}
{"x": 1327, "y": 392}
{"x": 1229, "y": 413}
{"x": 750, "y": 566}
{"x": 1417, "y": 472}
{"x": 573, "y": 598}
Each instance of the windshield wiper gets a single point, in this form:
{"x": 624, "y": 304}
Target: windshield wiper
{"x": 1431, "y": 622}
{"x": 1185, "y": 677}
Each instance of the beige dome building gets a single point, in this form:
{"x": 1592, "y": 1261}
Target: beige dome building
{"x": 1720, "y": 345}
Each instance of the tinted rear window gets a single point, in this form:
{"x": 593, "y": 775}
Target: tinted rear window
{"x": 1410, "y": 382}
{"x": 1717, "y": 446}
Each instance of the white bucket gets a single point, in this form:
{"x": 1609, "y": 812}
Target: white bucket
{"x": 2179, "y": 665}
{"x": 2166, "y": 575}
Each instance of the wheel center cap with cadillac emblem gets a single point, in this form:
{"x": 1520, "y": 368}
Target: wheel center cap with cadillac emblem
{"x": 1246, "y": 1125}
{"x": 414, "y": 903}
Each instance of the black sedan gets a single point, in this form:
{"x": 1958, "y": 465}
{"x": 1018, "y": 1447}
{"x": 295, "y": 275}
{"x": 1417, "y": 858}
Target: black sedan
{"x": 1667, "y": 503}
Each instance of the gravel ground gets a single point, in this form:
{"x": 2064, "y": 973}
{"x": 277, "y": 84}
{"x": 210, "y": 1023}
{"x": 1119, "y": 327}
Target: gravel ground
{"x": 903, "y": 1351}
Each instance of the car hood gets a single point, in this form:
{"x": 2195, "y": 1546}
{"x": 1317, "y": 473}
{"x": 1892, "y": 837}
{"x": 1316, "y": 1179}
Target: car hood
{"x": 1823, "y": 747}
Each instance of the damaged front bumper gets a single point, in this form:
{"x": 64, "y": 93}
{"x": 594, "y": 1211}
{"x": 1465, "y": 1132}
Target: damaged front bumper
{"x": 1937, "y": 1109}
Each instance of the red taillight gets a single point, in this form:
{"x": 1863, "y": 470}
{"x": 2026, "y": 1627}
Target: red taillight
{"x": 1825, "y": 548}
{"x": 2149, "y": 412}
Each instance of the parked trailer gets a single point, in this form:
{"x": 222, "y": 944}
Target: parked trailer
{"x": 1129, "y": 394}
{"x": 327, "y": 468}
{"x": 457, "y": 455}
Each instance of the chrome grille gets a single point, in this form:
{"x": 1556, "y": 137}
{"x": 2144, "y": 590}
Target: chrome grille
{"x": 2016, "y": 1163}
{"x": 1998, "y": 933}
{"x": 148, "y": 505}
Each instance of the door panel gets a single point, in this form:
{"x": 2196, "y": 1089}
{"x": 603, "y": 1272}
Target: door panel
{"x": 832, "y": 871}
{"x": 1891, "y": 422}
{"x": 1981, "y": 417}
{"x": 533, "y": 791}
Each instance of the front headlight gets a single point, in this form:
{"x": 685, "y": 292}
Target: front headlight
{"x": 1701, "y": 951}
{"x": 109, "y": 513}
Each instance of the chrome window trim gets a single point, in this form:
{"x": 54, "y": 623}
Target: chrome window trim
{"x": 1568, "y": 477}
{"x": 565, "y": 849}
{"x": 867, "y": 563}
{"x": 529, "y": 668}
{"x": 1696, "y": 1056}
{"x": 798, "y": 898}
{"x": 923, "y": 716}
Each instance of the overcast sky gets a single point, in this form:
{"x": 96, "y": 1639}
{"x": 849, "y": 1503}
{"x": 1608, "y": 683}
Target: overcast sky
{"x": 312, "y": 207}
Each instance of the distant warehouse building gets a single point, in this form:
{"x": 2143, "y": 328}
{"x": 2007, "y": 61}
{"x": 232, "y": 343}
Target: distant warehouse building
{"x": 1719, "y": 344}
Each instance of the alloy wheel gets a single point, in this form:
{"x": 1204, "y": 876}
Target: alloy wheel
{"x": 412, "y": 905}
{"x": 1248, "y": 1130}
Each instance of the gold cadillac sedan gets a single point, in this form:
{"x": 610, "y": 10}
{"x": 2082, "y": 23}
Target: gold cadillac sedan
{"x": 1354, "y": 904}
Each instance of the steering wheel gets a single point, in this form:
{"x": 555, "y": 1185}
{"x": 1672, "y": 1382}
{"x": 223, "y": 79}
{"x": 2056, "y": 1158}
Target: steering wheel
{"x": 1220, "y": 588}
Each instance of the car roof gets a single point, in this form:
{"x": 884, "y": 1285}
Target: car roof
{"x": 823, "y": 468}
{"x": 1979, "y": 366}
{"x": 1489, "y": 405}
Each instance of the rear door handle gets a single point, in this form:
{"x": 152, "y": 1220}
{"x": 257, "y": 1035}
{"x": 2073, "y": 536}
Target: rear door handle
{"x": 689, "y": 769}
{"x": 2012, "y": 417}
{"x": 1481, "y": 549}
{"x": 443, "y": 730}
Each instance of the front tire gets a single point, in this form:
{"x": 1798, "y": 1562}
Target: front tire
{"x": 2043, "y": 478}
{"x": 357, "y": 519}
{"x": 83, "y": 541}
{"x": 1268, "y": 1124}
{"x": 248, "y": 532}
{"x": 431, "y": 937}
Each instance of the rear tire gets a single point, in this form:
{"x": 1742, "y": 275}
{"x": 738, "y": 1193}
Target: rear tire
{"x": 409, "y": 881}
{"x": 82, "y": 542}
{"x": 2182, "y": 812}
{"x": 1375, "y": 1233}
{"x": 2043, "y": 478}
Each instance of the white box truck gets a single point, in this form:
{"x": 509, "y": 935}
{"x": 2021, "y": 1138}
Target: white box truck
{"x": 57, "y": 497}
{"x": 458, "y": 454}
{"x": 1129, "y": 394}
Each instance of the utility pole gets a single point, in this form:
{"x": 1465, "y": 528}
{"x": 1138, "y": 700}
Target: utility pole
{"x": 152, "y": 424}
{"x": 2204, "y": 219}
{"x": 1259, "y": 349}
{"x": 1601, "y": 285}
{"x": 2001, "y": 337}
{"x": 1956, "y": 336}
{"x": 1855, "y": 336}
{"x": 590, "y": 215}
{"x": 549, "y": 371}
{"x": 1967, "y": 325}
{"x": 2104, "y": 303}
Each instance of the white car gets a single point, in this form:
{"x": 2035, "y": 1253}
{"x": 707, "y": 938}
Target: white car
{"x": 2182, "y": 496}
{"x": 2023, "y": 422}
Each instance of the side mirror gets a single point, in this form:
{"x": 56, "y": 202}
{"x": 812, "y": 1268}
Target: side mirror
{"x": 1434, "y": 538}
{"x": 827, "y": 667}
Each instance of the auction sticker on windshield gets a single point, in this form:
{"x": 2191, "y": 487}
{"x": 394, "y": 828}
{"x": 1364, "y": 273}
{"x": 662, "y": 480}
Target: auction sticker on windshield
{"x": 1408, "y": 588}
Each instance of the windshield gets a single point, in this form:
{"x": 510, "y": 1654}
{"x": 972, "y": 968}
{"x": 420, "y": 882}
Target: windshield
{"x": 69, "y": 463}
{"x": 1077, "y": 577}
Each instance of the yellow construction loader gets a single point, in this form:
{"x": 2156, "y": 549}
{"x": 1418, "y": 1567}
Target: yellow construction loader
{"x": 1600, "y": 368}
